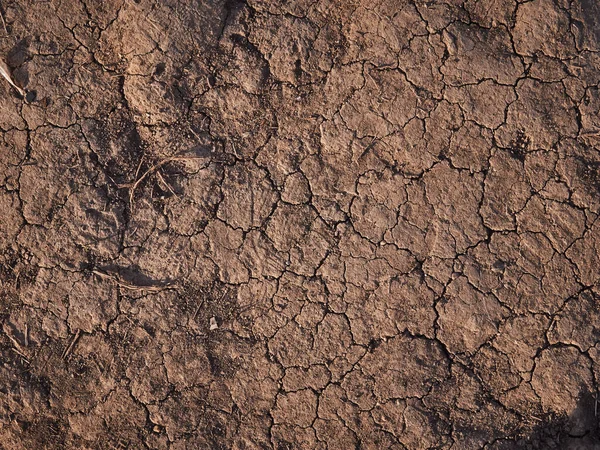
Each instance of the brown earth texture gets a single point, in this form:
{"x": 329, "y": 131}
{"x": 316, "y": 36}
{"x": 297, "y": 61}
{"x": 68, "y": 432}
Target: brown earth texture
{"x": 300, "y": 224}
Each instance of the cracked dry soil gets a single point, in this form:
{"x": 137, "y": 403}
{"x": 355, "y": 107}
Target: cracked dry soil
{"x": 362, "y": 224}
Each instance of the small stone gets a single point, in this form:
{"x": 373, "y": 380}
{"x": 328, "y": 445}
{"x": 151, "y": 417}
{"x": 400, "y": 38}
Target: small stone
{"x": 213, "y": 323}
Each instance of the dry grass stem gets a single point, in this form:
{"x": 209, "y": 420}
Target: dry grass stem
{"x": 69, "y": 349}
{"x": 132, "y": 187}
{"x": 129, "y": 286}
{"x": 5, "y": 72}
{"x": 3, "y": 23}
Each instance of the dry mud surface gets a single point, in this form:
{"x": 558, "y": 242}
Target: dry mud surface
{"x": 300, "y": 224}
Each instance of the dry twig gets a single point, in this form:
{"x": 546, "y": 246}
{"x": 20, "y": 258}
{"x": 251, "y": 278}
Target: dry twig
{"x": 133, "y": 186}
{"x": 129, "y": 286}
{"x": 5, "y": 72}
{"x": 3, "y": 23}
{"x": 73, "y": 342}
{"x": 17, "y": 347}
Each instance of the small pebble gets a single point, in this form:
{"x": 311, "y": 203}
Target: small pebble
{"x": 213, "y": 323}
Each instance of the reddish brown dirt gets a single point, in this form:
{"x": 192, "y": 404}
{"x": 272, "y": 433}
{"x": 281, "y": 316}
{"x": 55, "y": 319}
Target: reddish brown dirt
{"x": 300, "y": 224}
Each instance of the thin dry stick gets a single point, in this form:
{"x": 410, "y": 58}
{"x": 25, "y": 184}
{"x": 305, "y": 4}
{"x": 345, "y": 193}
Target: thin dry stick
{"x": 194, "y": 133}
{"x": 21, "y": 354}
{"x": 198, "y": 309}
{"x": 3, "y": 23}
{"x": 139, "y": 167}
{"x": 163, "y": 181}
{"x": 5, "y": 72}
{"x": 17, "y": 346}
{"x": 153, "y": 169}
{"x": 131, "y": 287}
{"x": 73, "y": 342}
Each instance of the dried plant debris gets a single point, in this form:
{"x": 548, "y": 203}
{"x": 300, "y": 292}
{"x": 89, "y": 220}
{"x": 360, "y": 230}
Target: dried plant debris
{"x": 5, "y": 72}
